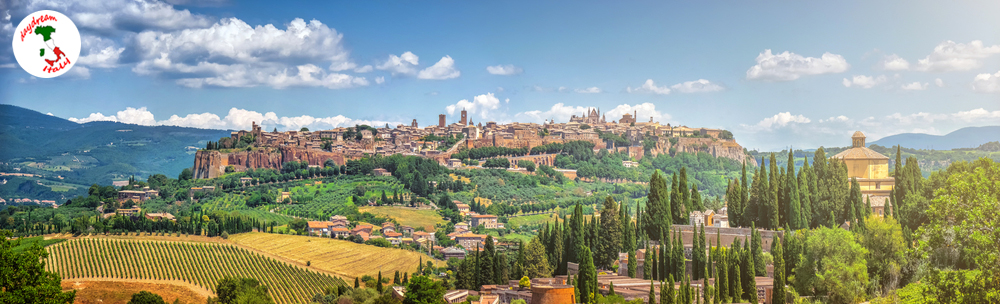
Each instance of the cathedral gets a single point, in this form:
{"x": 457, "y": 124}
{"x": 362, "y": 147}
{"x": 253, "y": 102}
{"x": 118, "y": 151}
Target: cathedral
{"x": 592, "y": 118}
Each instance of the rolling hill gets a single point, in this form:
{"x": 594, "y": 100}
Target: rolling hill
{"x": 63, "y": 151}
{"x": 970, "y": 137}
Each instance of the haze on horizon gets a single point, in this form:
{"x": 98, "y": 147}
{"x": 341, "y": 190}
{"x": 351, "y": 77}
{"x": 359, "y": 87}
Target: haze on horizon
{"x": 795, "y": 74}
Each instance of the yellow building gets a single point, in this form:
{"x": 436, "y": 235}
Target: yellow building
{"x": 872, "y": 171}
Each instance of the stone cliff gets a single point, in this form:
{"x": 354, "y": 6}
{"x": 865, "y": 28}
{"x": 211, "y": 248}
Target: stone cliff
{"x": 211, "y": 164}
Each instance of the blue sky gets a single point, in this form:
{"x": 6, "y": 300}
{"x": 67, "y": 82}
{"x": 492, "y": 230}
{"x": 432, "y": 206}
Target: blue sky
{"x": 777, "y": 73}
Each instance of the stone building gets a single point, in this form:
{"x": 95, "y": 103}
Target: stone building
{"x": 871, "y": 169}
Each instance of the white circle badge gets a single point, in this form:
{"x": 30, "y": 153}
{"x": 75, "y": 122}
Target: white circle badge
{"x": 46, "y": 44}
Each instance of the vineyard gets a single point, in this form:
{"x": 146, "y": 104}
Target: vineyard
{"x": 201, "y": 264}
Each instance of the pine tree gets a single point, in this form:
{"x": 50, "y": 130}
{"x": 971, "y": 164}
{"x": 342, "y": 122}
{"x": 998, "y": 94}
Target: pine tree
{"x": 779, "y": 272}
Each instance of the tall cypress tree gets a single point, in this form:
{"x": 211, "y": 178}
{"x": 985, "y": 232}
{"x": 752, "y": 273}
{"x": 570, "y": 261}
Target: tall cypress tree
{"x": 610, "y": 236}
{"x": 647, "y": 263}
{"x": 587, "y": 276}
{"x": 805, "y": 217}
{"x": 676, "y": 204}
{"x": 632, "y": 264}
{"x": 779, "y": 272}
{"x": 696, "y": 202}
{"x": 682, "y": 185}
{"x": 652, "y": 293}
{"x": 737, "y": 289}
{"x": 758, "y": 253}
{"x": 794, "y": 209}
{"x": 722, "y": 278}
{"x": 679, "y": 264}
{"x": 378, "y": 284}
{"x": 657, "y": 216}
{"x": 667, "y": 291}
{"x": 700, "y": 252}
{"x": 575, "y": 237}
{"x": 487, "y": 267}
{"x": 666, "y": 257}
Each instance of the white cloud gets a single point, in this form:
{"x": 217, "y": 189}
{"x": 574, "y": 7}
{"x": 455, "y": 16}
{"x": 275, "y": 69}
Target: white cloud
{"x": 952, "y": 56}
{"x": 481, "y": 104}
{"x": 939, "y": 82}
{"x": 508, "y": 69}
{"x": 123, "y": 15}
{"x": 380, "y": 80}
{"x": 894, "y": 63}
{"x": 405, "y": 64}
{"x": 863, "y": 81}
{"x": 986, "y": 83}
{"x": 779, "y": 120}
{"x": 237, "y": 119}
{"x": 839, "y": 118}
{"x": 100, "y": 52}
{"x": 915, "y": 86}
{"x": 78, "y": 72}
{"x": 590, "y": 90}
{"x": 231, "y": 53}
{"x": 788, "y": 66}
{"x": 697, "y": 86}
{"x": 641, "y": 112}
{"x": 364, "y": 69}
{"x": 443, "y": 69}
{"x": 649, "y": 87}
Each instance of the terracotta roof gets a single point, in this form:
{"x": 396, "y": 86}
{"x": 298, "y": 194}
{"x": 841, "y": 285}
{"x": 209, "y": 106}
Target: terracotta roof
{"x": 315, "y": 225}
{"x": 859, "y": 153}
{"x": 393, "y": 234}
{"x": 485, "y": 216}
{"x": 339, "y": 230}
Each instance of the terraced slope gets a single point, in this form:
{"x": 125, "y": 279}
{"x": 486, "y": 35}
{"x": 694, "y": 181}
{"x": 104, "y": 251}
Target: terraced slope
{"x": 201, "y": 264}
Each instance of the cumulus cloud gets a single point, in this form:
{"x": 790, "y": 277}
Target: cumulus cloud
{"x": 952, "y": 56}
{"x": 862, "y": 81}
{"x": 986, "y": 83}
{"x": 697, "y": 86}
{"x": 380, "y": 79}
{"x": 405, "y": 64}
{"x": 231, "y": 53}
{"x": 939, "y": 82}
{"x": 508, "y": 69}
{"x": 560, "y": 112}
{"x": 110, "y": 16}
{"x": 915, "y": 86}
{"x": 649, "y": 87}
{"x": 894, "y": 63}
{"x": 590, "y": 90}
{"x": 236, "y": 119}
{"x": 443, "y": 69}
{"x": 481, "y": 105}
{"x": 789, "y": 66}
{"x": 779, "y": 120}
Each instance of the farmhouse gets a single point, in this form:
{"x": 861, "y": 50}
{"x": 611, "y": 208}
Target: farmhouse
{"x": 470, "y": 240}
{"x": 137, "y": 196}
{"x": 486, "y": 220}
{"x": 320, "y": 228}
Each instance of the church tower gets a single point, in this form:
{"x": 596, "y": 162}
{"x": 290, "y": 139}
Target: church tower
{"x": 465, "y": 118}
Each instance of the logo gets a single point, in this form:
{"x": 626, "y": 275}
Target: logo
{"x": 46, "y": 44}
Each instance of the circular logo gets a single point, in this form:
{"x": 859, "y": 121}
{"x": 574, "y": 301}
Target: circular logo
{"x": 46, "y": 44}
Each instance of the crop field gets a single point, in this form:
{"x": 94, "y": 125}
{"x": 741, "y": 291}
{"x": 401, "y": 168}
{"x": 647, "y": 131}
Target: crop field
{"x": 200, "y": 264}
{"x": 344, "y": 258}
{"x": 407, "y": 216}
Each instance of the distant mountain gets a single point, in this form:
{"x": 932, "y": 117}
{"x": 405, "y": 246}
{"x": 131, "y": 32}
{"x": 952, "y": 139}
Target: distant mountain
{"x": 95, "y": 152}
{"x": 970, "y": 137}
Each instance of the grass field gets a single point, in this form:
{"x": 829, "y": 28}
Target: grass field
{"x": 406, "y": 216}
{"x": 200, "y": 264}
{"x": 530, "y": 220}
{"x": 27, "y": 242}
{"x": 114, "y": 292}
{"x": 344, "y": 258}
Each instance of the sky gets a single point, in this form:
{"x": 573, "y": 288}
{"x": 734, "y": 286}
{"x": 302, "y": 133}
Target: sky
{"x": 778, "y": 74}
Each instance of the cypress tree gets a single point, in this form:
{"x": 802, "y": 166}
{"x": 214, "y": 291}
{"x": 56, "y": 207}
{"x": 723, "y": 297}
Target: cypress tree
{"x": 378, "y": 284}
{"x": 685, "y": 195}
{"x": 610, "y": 236}
{"x": 737, "y": 290}
{"x": 758, "y": 253}
{"x": 658, "y": 215}
{"x": 487, "y": 268}
{"x": 406, "y": 278}
{"x": 631, "y": 264}
{"x": 679, "y": 265}
{"x": 667, "y": 291}
{"x": 357, "y": 283}
{"x": 779, "y": 272}
{"x": 696, "y": 202}
{"x": 666, "y": 257}
{"x": 700, "y": 252}
{"x": 396, "y": 278}
{"x": 652, "y": 294}
{"x": 611, "y": 289}
{"x": 587, "y": 276}
{"x": 676, "y": 202}
{"x": 655, "y": 274}
{"x": 647, "y": 263}
{"x": 794, "y": 209}
{"x": 805, "y": 217}
{"x": 722, "y": 277}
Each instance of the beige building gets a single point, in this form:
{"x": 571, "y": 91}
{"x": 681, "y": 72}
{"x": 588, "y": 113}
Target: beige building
{"x": 871, "y": 169}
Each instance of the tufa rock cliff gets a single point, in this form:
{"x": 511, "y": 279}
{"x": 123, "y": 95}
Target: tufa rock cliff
{"x": 211, "y": 164}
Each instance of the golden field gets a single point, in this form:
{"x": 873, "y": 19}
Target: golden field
{"x": 343, "y": 258}
{"x": 407, "y": 216}
{"x": 120, "y": 292}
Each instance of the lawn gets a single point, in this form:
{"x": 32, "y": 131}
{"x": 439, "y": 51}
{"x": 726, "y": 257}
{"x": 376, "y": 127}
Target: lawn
{"x": 344, "y": 258}
{"x": 407, "y": 216}
{"x": 531, "y": 220}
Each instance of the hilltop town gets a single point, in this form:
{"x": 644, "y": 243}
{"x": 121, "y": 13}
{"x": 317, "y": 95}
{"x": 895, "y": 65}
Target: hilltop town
{"x": 263, "y": 149}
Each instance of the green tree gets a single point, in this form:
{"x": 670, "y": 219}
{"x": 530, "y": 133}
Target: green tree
{"x": 487, "y": 267}
{"x": 378, "y": 282}
{"x": 145, "y": 297}
{"x": 883, "y": 237}
{"x": 536, "y": 264}
{"x": 965, "y": 213}
{"x": 667, "y": 291}
{"x": 23, "y": 278}
{"x": 186, "y": 174}
{"x": 232, "y": 290}
{"x": 587, "y": 277}
{"x": 834, "y": 266}
{"x": 423, "y": 290}
{"x": 779, "y": 271}
{"x": 657, "y": 216}
{"x": 611, "y": 235}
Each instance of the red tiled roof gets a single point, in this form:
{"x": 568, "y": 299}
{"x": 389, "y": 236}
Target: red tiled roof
{"x": 318, "y": 225}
